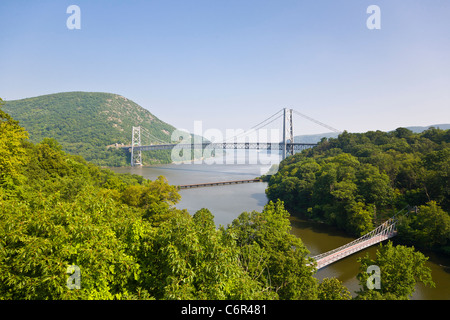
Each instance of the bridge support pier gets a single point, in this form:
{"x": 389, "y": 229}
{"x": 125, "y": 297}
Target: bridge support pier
{"x": 136, "y": 155}
{"x": 287, "y": 118}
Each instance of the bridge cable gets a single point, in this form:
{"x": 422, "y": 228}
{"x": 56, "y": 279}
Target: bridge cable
{"x": 318, "y": 122}
{"x": 253, "y": 129}
{"x": 258, "y": 126}
{"x": 152, "y": 136}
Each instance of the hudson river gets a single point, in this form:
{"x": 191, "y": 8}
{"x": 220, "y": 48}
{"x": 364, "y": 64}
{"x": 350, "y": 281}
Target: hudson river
{"x": 227, "y": 202}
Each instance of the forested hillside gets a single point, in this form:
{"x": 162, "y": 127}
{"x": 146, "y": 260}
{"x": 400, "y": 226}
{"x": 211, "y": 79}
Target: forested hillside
{"x": 315, "y": 138}
{"x": 127, "y": 239}
{"x": 85, "y": 123}
{"x": 356, "y": 180}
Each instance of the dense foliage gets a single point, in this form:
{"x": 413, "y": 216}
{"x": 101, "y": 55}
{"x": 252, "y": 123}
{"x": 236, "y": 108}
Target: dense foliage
{"x": 401, "y": 268}
{"x": 126, "y": 236}
{"x": 85, "y": 123}
{"x": 129, "y": 241}
{"x": 356, "y": 180}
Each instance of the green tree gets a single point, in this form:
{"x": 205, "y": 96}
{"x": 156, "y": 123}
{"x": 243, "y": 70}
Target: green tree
{"x": 359, "y": 218}
{"x": 373, "y": 186}
{"x": 357, "y": 178}
{"x": 40, "y": 243}
{"x": 332, "y": 289}
{"x": 186, "y": 257}
{"x": 436, "y": 178}
{"x": 428, "y": 228}
{"x": 156, "y": 197}
{"x": 272, "y": 255}
{"x": 400, "y": 267}
{"x": 13, "y": 154}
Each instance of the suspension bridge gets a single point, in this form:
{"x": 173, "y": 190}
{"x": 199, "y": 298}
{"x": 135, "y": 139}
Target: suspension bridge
{"x": 286, "y": 146}
{"x": 383, "y": 232}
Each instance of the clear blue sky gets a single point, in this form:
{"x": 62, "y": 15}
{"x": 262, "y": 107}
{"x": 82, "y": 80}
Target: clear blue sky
{"x": 232, "y": 63}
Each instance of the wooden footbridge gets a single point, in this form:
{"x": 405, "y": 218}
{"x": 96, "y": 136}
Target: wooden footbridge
{"x": 221, "y": 183}
{"x": 383, "y": 232}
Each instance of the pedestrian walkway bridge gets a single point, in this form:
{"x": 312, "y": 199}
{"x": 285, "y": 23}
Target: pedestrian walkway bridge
{"x": 383, "y": 232}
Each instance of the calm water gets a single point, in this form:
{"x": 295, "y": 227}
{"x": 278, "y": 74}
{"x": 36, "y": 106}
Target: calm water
{"x": 227, "y": 202}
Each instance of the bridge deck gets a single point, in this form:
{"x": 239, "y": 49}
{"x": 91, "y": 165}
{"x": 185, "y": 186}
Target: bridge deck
{"x": 335, "y": 256}
{"x": 225, "y": 145}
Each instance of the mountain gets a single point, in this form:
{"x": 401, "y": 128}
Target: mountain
{"x": 86, "y": 123}
{"x": 315, "y": 138}
{"x": 417, "y": 129}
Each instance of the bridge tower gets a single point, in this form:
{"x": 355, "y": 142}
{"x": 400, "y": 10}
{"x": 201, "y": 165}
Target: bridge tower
{"x": 136, "y": 156}
{"x": 287, "y": 119}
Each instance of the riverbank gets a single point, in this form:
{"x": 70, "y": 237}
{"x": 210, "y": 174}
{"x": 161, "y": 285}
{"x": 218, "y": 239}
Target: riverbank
{"x": 438, "y": 261}
{"x": 227, "y": 202}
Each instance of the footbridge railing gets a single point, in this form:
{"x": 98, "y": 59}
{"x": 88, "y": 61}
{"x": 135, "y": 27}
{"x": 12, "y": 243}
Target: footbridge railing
{"x": 383, "y": 232}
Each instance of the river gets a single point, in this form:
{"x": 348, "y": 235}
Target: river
{"x": 227, "y": 202}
